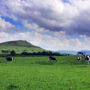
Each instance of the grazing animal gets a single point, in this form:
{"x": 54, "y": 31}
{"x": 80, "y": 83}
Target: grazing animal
{"x": 10, "y": 59}
{"x": 87, "y": 58}
{"x": 52, "y": 58}
{"x": 79, "y": 59}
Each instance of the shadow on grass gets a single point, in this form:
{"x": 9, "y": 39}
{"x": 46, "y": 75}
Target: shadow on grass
{"x": 12, "y": 87}
{"x": 46, "y": 62}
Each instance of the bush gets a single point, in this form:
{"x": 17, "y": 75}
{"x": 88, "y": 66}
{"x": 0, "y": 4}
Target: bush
{"x": 41, "y": 53}
{"x": 5, "y": 51}
{"x": 12, "y": 53}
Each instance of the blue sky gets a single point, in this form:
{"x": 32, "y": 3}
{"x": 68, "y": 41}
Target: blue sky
{"x": 15, "y": 23}
{"x": 65, "y": 1}
{"x": 53, "y": 24}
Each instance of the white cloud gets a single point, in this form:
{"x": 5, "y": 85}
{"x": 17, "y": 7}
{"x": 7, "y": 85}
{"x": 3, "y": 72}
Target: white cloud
{"x": 54, "y": 15}
{"x": 34, "y": 27}
{"x": 53, "y": 22}
{"x": 3, "y": 34}
{"x": 49, "y": 42}
{"x": 4, "y": 25}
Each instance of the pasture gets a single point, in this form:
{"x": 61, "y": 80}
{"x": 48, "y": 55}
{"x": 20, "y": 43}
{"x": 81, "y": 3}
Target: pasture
{"x": 38, "y": 73}
{"x": 19, "y": 49}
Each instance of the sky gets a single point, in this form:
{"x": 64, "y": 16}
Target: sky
{"x": 50, "y": 24}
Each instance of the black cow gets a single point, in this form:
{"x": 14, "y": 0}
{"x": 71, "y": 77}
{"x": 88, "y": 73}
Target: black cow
{"x": 51, "y": 58}
{"x": 87, "y": 58}
{"x": 79, "y": 59}
{"x": 10, "y": 59}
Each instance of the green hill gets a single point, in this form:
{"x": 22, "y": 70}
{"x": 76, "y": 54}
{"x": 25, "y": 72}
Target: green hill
{"x": 19, "y": 46}
{"x": 17, "y": 43}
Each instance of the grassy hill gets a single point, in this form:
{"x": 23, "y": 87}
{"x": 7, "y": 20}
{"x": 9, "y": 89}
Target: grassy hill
{"x": 19, "y": 46}
{"x": 17, "y": 43}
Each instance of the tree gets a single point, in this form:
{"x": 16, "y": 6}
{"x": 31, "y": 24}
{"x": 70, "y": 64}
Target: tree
{"x": 12, "y": 53}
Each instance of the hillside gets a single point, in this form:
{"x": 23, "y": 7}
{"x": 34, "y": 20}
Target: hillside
{"x": 19, "y": 46}
{"x": 17, "y": 43}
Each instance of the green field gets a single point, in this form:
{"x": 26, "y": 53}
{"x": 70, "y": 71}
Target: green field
{"x": 38, "y": 73}
{"x": 19, "y": 49}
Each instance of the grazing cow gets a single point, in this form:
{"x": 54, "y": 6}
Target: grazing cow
{"x": 87, "y": 58}
{"x": 52, "y": 58}
{"x": 10, "y": 59}
{"x": 79, "y": 59}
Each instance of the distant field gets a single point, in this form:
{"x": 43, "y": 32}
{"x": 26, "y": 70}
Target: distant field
{"x": 20, "y": 49}
{"x": 38, "y": 73}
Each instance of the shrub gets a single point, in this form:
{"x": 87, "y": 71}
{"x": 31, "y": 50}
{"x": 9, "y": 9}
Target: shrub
{"x": 12, "y": 53}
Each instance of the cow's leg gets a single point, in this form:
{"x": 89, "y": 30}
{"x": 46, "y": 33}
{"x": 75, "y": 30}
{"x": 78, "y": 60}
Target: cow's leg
{"x": 11, "y": 61}
{"x": 6, "y": 62}
{"x": 87, "y": 62}
{"x": 50, "y": 60}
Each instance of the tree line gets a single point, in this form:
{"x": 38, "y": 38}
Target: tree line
{"x": 13, "y": 53}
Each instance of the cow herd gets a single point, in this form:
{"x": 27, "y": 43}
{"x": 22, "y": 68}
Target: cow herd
{"x": 86, "y": 57}
{"x": 52, "y": 58}
{"x": 10, "y": 59}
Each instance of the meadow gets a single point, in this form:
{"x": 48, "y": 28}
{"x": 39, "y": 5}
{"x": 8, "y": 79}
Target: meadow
{"x": 19, "y": 49}
{"x": 38, "y": 73}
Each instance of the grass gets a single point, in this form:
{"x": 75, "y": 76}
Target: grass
{"x": 38, "y": 73}
{"x": 20, "y": 49}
